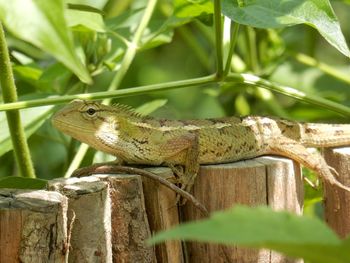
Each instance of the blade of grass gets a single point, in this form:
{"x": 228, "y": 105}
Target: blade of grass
{"x": 20, "y": 146}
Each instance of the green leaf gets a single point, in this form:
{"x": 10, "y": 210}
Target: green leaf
{"x": 280, "y": 13}
{"x": 186, "y": 8}
{"x": 22, "y": 183}
{"x": 32, "y": 119}
{"x": 295, "y": 236}
{"x": 82, "y": 20}
{"x": 42, "y": 23}
{"x": 151, "y": 106}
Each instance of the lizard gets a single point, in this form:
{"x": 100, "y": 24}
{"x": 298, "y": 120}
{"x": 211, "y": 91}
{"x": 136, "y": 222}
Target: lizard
{"x": 136, "y": 139}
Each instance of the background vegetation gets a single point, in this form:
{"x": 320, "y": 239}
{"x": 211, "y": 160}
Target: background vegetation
{"x": 61, "y": 48}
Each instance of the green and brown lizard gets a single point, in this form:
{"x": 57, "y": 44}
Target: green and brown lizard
{"x": 136, "y": 139}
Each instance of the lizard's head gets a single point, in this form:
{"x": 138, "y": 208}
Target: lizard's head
{"x": 87, "y": 120}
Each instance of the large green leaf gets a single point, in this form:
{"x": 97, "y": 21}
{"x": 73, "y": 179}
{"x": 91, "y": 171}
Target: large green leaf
{"x": 32, "y": 119}
{"x": 42, "y": 23}
{"x": 280, "y": 13}
{"x": 296, "y": 236}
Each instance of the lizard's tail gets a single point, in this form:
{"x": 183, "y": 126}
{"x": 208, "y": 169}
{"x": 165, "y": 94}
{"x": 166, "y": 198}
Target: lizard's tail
{"x": 325, "y": 135}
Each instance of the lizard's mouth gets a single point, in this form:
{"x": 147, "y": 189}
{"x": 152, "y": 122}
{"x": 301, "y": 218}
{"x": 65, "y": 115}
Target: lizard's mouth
{"x": 68, "y": 127}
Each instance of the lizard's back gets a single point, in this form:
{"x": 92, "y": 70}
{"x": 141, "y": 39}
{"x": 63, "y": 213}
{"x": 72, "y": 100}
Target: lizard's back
{"x": 230, "y": 139}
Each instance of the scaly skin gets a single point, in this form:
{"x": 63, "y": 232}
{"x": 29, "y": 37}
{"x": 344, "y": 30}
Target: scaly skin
{"x": 137, "y": 139}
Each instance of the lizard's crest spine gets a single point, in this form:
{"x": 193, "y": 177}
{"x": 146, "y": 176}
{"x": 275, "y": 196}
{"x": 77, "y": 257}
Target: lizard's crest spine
{"x": 127, "y": 110}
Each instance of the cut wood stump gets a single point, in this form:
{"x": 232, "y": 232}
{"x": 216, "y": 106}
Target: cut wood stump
{"x": 337, "y": 201}
{"x": 33, "y": 226}
{"x": 272, "y": 181}
{"x": 162, "y": 214}
{"x": 130, "y": 228}
{"x": 89, "y": 218}
{"x": 111, "y": 216}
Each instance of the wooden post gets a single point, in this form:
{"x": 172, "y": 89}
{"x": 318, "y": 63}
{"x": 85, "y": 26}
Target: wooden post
{"x": 107, "y": 213}
{"x": 337, "y": 201}
{"x": 89, "y": 223}
{"x": 162, "y": 214}
{"x": 130, "y": 228}
{"x": 33, "y": 226}
{"x": 275, "y": 182}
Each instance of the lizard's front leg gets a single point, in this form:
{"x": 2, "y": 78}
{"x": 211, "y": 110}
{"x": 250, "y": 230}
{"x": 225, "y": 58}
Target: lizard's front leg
{"x": 186, "y": 152}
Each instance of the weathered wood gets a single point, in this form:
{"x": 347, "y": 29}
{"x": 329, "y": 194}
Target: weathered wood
{"x": 275, "y": 182}
{"x": 337, "y": 201}
{"x": 89, "y": 219}
{"x": 162, "y": 214}
{"x": 107, "y": 220}
{"x": 130, "y": 227}
{"x": 32, "y": 226}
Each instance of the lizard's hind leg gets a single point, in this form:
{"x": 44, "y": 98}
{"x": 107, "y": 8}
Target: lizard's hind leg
{"x": 312, "y": 160}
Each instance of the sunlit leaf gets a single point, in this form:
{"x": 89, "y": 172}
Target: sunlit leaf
{"x": 185, "y": 8}
{"x": 280, "y": 13}
{"x": 83, "y": 20}
{"x": 42, "y": 23}
{"x": 151, "y": 106}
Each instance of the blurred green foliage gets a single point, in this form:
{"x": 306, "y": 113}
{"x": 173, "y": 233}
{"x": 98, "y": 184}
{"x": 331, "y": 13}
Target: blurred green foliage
{"x": 59, "y": 51}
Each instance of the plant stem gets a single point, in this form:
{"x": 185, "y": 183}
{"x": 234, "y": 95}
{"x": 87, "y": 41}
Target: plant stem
{"x": 218, "y": 38}
{"x": 256, "y": 81}
{"x": 234, "y": 28}
{"x": 198, "y": 50}
{"x": 132, "y": 47}
{"x": 307, "y": 60}
{"x": 20, "y": 146}
{"x": 252, "y": 50}
{"x": 247, "y": 79}
{"x": 77, "y": 159}
{"x": 108, "y": 94}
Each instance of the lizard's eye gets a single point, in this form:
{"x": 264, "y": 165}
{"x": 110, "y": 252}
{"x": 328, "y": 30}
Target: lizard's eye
{"x": 91, "y": 111}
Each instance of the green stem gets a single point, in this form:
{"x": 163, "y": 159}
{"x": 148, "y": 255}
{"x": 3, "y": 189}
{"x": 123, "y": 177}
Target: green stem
{"x": 77, "y": 159}
{"x": 110, "y": 94}
{"x": 256, "y": 81}
{"x": 19, "y": 143}
{"x": 252, "y": 51}
{"x": 198, "y": 50}
{"x": 247, "y": 79}
{"x": 132, "y": 47}
{"x": 234, "y": 28}
{"x": 307, "y": 60}
{"x": 218, "y": 38}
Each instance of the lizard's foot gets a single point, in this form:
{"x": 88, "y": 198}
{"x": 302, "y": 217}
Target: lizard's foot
{"x": 187, "y": 183}
{"x": 333, "y": 171}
